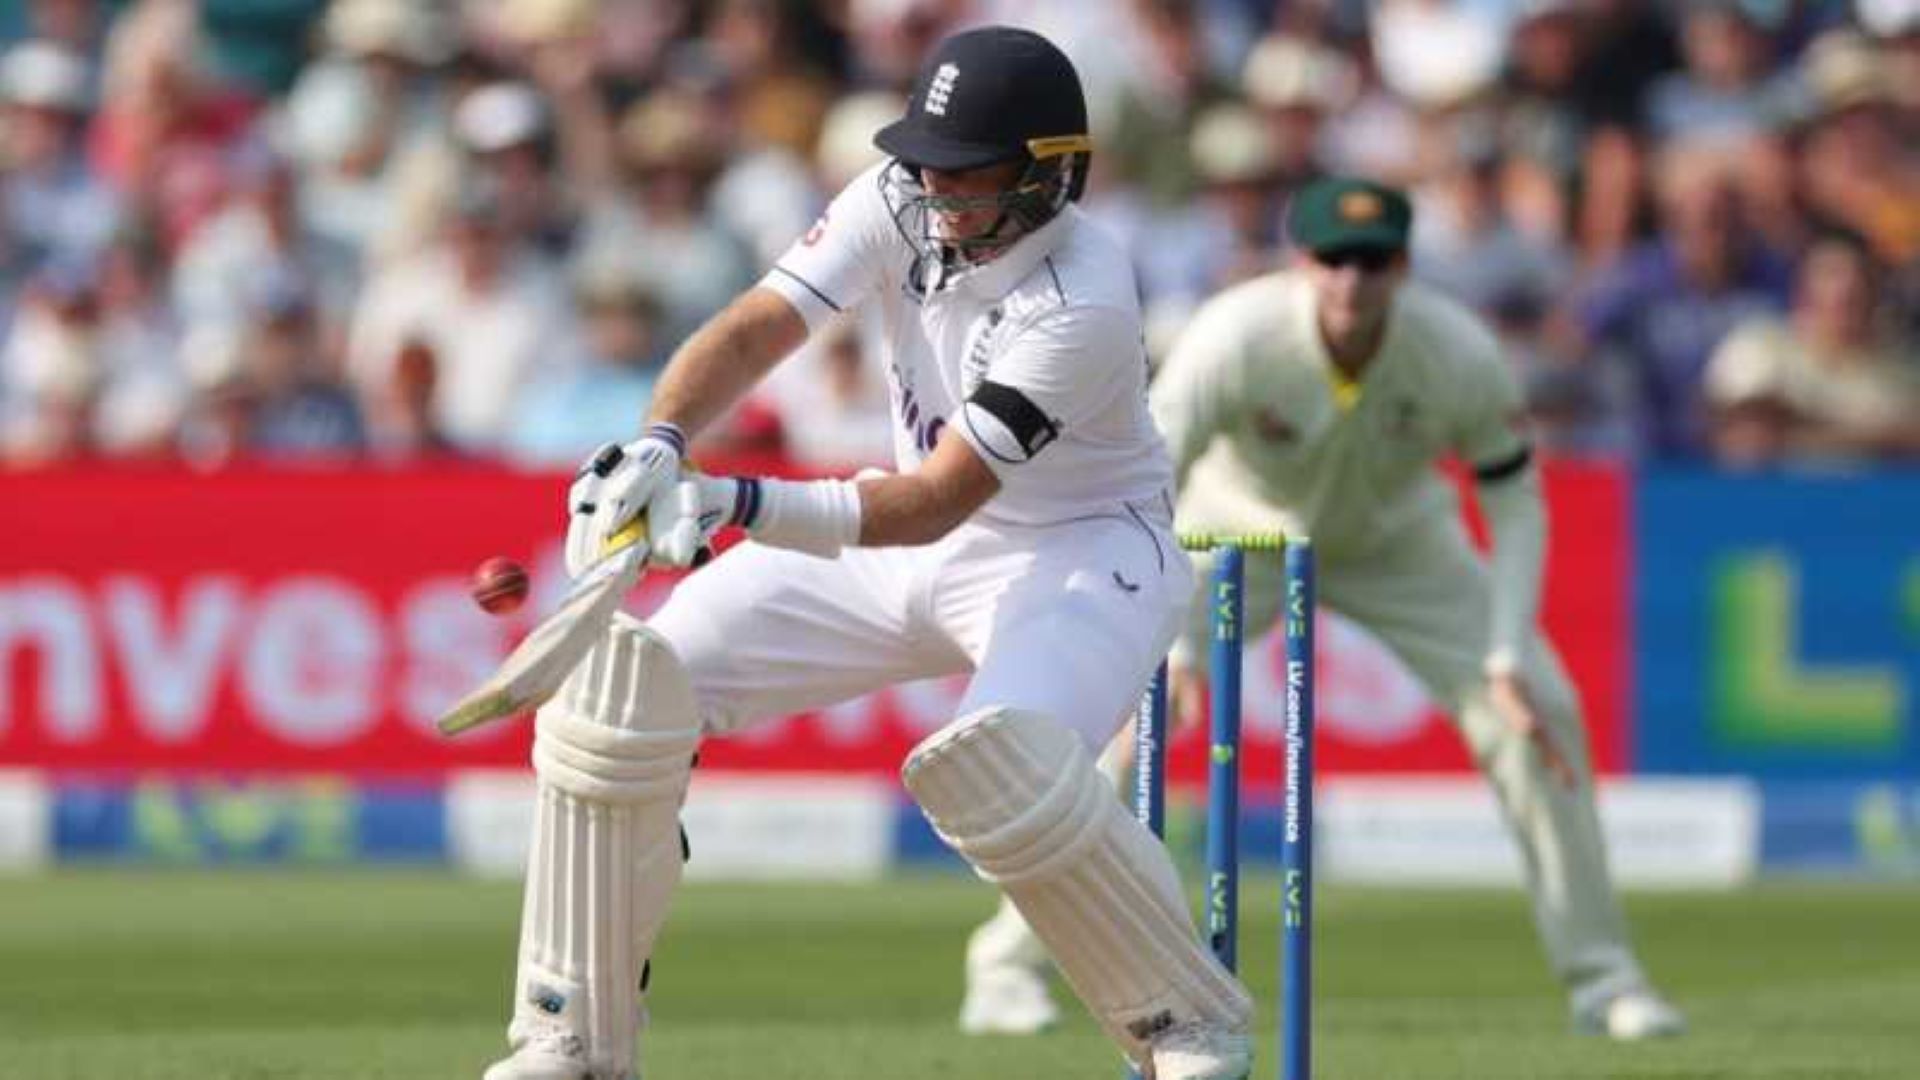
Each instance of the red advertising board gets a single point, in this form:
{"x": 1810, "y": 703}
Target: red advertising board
{"x": 316, "y": 619}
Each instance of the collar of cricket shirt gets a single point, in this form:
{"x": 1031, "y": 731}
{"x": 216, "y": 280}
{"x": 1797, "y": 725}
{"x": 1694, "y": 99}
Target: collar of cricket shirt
{"x": 997, "y": 278}
{"x": 1346, "y": 390}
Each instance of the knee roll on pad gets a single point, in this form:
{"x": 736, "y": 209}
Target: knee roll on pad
{"x": 1017, "y": 794}
{"x": 622, "y": 727}
{"x": 612, "y": 751}
{"x": 1009, "y": 785}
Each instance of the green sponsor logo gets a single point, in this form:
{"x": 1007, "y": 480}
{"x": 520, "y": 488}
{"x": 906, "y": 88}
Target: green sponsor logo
{"x": 1763, "y": 695}
{"x": 1887, "y": 828}
{"x": 310, "y": 820}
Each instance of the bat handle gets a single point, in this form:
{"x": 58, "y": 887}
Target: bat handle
{"x": 633, "y": 532}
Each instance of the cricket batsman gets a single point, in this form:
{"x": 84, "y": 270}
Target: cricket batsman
{"x": 1316, "y": 401}
{"x": 1026, "y": 538}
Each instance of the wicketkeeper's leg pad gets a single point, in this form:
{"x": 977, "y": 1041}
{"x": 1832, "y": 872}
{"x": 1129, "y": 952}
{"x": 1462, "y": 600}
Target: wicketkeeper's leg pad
{"x": 1017, "y": 794}
{"x": 612, "y": 751}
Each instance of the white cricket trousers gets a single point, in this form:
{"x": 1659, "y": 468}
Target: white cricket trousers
{"x": 1067, "y": 620}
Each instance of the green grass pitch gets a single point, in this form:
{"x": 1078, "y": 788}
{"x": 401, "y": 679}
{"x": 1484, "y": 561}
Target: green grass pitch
{"x": 111, "y": 975}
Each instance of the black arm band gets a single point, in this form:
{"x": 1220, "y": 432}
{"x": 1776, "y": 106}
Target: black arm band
{"x": 1494, "y": 471}
{"x": 1018, "y": 414}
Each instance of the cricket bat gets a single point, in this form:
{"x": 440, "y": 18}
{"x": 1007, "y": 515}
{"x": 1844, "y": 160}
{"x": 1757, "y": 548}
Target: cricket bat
{"x": 537, "y": 666}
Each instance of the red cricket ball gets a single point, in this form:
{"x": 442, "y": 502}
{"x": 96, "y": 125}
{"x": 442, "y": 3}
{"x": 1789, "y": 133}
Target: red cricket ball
{"x": 500, "y": 585}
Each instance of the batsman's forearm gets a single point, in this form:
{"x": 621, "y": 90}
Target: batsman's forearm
{"x": 924, "y": 505}
{"x": 821, "y": 517}
{"x": 725, "y": 358}
{"x": 906, "y": 510}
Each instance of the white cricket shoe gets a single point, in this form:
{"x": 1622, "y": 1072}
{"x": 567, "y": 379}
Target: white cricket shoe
{"x": 1631, "y": 1016}
{"x": 1196, "y": 1051}
{"x": 1007, "y": 1000}
{"x": 550, "y": 1055}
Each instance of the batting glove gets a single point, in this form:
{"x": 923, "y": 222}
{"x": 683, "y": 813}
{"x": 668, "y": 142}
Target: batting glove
{"x": 615, "y": 486}
{"x": 683, "y": 522}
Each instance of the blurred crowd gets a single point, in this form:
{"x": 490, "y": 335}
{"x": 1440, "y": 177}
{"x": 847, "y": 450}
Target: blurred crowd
{"x": 234, "y": 229}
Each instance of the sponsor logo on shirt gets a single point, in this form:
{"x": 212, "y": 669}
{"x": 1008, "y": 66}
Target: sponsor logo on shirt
{"x": 922, "y": 425}
{"x": 1272, "y": 427}
{"x": 1403, "y": 419}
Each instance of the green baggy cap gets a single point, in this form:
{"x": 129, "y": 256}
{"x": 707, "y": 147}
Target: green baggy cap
{"x": 1345, "y": 212}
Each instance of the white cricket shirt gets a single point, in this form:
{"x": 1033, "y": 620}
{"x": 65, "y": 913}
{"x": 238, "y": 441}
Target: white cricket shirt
{"x": 1036, "y": 358}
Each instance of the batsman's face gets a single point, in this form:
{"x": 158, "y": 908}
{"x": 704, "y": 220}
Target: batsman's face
{"x": 967, "y": 204}
{"x": 1354, "y": 289}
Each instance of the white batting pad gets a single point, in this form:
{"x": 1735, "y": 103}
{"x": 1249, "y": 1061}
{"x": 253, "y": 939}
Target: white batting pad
{"x": 1017, "y": 794}
{"x": 1006, "y": 940}
{"x": 612, "y": 750}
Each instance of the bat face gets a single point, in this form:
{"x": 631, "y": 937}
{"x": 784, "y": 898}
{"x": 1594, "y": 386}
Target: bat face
{"x": 537, "y": 666}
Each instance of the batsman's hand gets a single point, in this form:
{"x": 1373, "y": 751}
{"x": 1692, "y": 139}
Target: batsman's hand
{"x": 683, "y": 521}
{"x": 1508, "y": 693}
{"x": 615, "y": 486}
